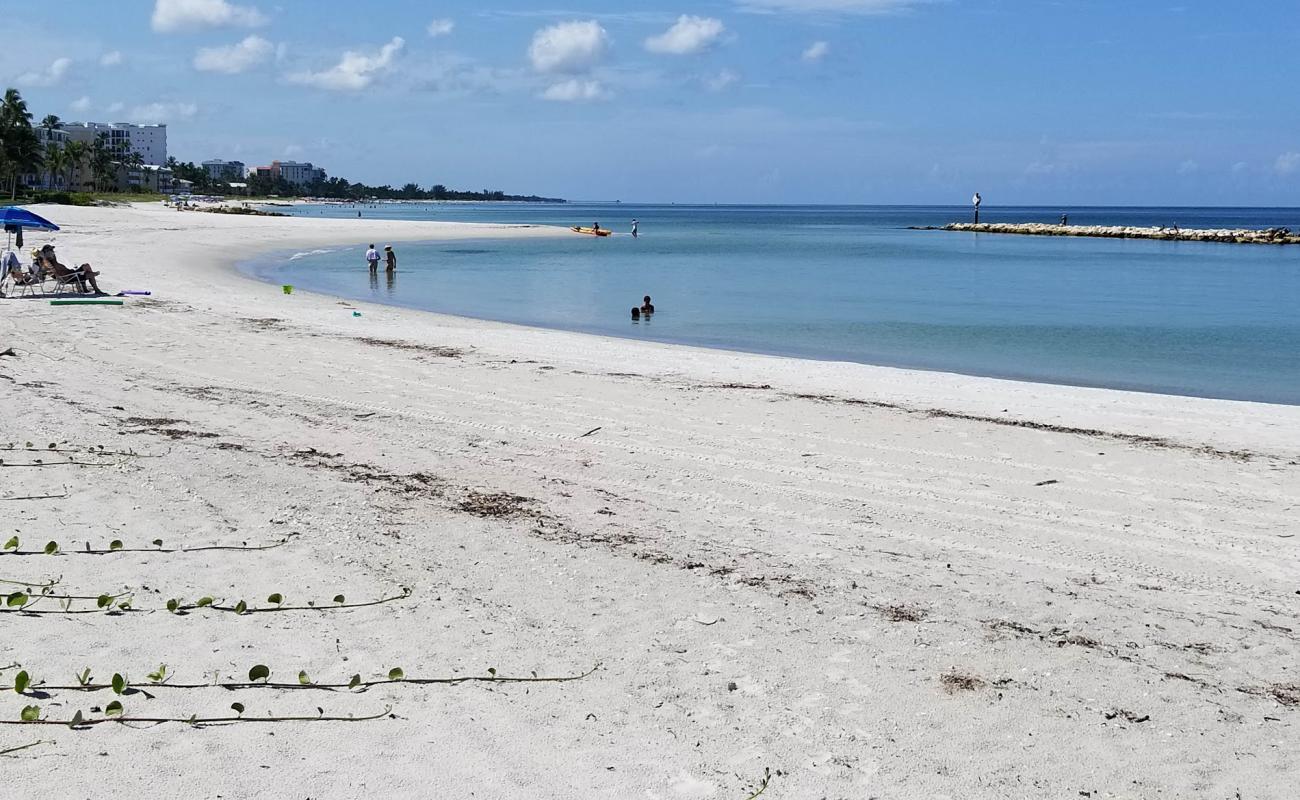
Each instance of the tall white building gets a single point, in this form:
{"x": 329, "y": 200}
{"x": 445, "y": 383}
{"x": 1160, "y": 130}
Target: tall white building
{"x": 150, "y": 141}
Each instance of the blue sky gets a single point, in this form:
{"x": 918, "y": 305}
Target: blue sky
{"x": 855, "y": 101}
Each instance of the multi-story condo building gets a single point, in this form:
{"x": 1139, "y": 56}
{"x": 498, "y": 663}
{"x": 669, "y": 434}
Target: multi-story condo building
{"x": 150, "y": 141}
{"x": 295, "y": 172}
{"x": 225, "y": 171}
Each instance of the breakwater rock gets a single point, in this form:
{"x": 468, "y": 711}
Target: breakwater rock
{"x": 1225, "y": 235}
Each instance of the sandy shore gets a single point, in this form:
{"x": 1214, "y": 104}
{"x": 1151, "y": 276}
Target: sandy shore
{"x": 871, "y": 582}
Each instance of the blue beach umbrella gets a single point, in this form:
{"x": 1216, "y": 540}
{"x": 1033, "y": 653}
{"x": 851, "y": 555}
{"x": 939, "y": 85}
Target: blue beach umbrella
{"x": 15, "y": 219}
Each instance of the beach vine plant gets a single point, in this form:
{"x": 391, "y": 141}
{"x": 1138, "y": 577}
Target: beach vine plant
{"x": 24, "y": 602}
{"x": 259, "y": 677}
{"x": 13, "y": 547}
{"x": 115, "y": 712}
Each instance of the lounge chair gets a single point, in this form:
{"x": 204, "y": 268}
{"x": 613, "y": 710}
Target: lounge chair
{"x": 16, "y": 282}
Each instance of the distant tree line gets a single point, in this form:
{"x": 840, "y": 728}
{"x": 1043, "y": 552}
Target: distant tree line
{"x": 74, "y": 165}
{"x": 338, "y": 188}
{"x": 78, "y": 166}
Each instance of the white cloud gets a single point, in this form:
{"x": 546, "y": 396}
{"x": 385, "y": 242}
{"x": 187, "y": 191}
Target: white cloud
{"x": 114, "y": 108}
{"x": 354, "y": 72}
{"x": 293, "y": 150}
{"x": 1287, "y": 163}
{"x": 441, "y": 27}
{"x": 569, "y": 47}
{"x": 720, "y": 81}
{"x": 236, "y": 58}
{"x": 81, "y": 105}
{"x": 816, "y": 51}
{"x": 575, "y": 91}
{"x": 111, "y": 58}
{"x": 154, "y": 113}
{"x": 688, "y": 35}
{"x": 170, "y": 16}
{"x": 50, "y": 76}
{"x": 829, "y": 6}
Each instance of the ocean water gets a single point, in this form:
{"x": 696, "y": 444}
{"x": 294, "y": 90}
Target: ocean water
{"x": 855, "y": 284}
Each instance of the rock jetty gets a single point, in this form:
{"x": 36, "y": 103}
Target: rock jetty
{"x": 1225, "y": 235}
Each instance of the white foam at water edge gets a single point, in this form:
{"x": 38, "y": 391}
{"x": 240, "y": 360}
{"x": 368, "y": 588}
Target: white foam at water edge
{"x": 297, "y": 256}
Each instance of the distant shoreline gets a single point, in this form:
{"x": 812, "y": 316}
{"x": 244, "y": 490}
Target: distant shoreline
{"x": 1275, "y": 236}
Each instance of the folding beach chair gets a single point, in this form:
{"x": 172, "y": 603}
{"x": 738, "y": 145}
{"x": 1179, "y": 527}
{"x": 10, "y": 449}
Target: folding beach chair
{"x": 26, "y": 286}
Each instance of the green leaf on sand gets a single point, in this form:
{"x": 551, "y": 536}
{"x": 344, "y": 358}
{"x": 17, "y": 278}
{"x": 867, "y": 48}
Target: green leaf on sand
{"x": 119, "y": 683}
{"x": 21, "y": 681}
{"x": 396, "y": 674}
{"x": 260, "y": 672}
{"x": 303, "y": 678}
{"x": 31, "y": 713}
{"x": 113, "y": 709}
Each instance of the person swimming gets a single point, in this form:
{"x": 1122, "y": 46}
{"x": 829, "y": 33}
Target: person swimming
{"x": 647, "y": 308}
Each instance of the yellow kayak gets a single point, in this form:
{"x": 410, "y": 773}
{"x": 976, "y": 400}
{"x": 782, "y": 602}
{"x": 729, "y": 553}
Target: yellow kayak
{"x": 591, "y": 231}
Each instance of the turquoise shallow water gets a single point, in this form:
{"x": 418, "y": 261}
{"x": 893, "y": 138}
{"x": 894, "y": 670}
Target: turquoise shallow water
{"x": 854, "y": 284}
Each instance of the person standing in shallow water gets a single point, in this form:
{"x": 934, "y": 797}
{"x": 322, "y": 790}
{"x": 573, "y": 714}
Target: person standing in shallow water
{"x": 634, "y": 230}
{"x": 372, "y": 258}
{"x": 392, "y": 258}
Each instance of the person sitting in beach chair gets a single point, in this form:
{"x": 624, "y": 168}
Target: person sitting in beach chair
{"x": 13, "y": 275}
{"x": 83, "y": 276}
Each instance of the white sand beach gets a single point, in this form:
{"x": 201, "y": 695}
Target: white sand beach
{"x": 868, "y": 582}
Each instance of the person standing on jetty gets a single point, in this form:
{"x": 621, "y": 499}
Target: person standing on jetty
{"x": 372, "y": 258}
{"x": 976, "y": 200}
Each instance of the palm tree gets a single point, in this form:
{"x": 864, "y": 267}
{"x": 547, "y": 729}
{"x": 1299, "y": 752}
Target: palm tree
{"x": 24, "y": 153}
{"x": 18, "y": 144}
{"x": 75, "y": 152}
{"x": 13, "y": 111}
{"x": 101, "y": 159}
{"x": 55, "y": 163}
{"x": 52, "y": 122}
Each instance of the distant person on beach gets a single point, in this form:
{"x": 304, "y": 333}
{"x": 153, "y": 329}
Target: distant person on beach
{"x": 634, "y": 232}
{"x": 647, "y": 308}
{"x": 392, "y": 258}
{"x": 372, "y": 258}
